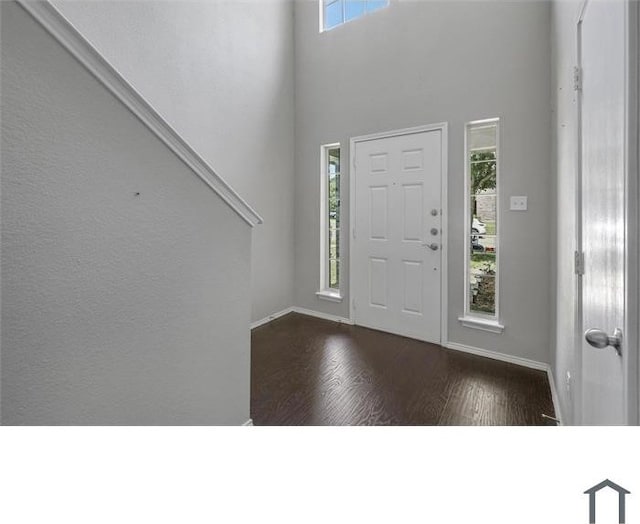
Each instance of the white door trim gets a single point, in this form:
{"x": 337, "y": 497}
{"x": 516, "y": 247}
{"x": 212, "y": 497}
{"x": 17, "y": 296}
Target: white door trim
{"x": 577, "y": 335}
{"x": 633, "y": 200}
{"x": 443, "y": 127}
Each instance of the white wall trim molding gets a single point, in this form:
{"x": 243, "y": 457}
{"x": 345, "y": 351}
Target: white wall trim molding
{"x": 554, "y": 396}
{"x": 248, "y": 423}
{"x": 401, "y": 132}
{"x": 329, "y": 296}
{"x": 69, "y": 37}
{"x": 492, "y": 326}
{"x": 302, "y": 311}
{"x": 520, "y": 361}
{"x": 270, "y": 318}
{"x": 324, "y": 316}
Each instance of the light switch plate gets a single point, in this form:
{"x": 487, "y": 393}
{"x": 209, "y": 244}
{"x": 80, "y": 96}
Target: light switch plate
{"x": 518, "y": 203}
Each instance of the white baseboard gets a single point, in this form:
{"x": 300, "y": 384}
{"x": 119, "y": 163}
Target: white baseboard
{"x": 302, "y": 311}
{"x": 554, "y": 396}
{"x": 248, "y": 423}
{"x": 324, "y": 316}
{"x": 533, "y": 364}
{"x": 270, "y": 318}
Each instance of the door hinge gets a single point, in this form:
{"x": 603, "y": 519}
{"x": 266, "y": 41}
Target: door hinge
{"x": 353, "y": 303}
{"x": 354, "y": 233}
{"x": 577, "y": 78}
{"x": 578, "y": 265}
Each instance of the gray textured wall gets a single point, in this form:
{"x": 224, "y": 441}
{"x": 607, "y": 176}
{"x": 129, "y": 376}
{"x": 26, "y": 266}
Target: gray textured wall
{"x": 426, "y": 62}
{"x": 221, "y": 73}
{"x": 116, "y": 308}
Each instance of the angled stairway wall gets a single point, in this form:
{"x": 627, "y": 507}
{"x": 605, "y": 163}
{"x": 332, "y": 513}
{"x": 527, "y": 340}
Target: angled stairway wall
{"x": 221, "y": 73}
{"x": 125, "y": 279}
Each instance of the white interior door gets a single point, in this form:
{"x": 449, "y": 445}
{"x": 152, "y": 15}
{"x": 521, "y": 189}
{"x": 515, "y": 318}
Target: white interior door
{"x": 602, "y": 34}
{"x": 397, "y": 242}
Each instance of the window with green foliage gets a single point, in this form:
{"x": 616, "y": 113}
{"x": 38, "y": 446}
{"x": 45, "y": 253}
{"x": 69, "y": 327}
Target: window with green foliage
{"x": 330, "y": 220}
{"x": 481, "y": 268}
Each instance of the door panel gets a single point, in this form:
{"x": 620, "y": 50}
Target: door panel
{"x": 396, "y": 276}
{"x": 413, "y": 286}
{"x": 413, "y": 212}
{"x": 378, "y": 291}
{"x": 378, "y": 212}
{"x": 602, "y": 42}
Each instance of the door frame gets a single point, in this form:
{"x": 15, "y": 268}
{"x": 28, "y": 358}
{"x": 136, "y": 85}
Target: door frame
{"x": 631, "y": 333}
{"x": 633, "y": 217}
{"x": 443, "y": 127}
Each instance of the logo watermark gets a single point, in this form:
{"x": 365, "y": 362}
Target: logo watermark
{"x": 593, "y": 491}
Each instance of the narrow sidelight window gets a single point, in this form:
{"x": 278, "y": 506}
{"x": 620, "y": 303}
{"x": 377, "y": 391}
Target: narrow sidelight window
{"x": 481, "y": 187}
{"x": 330, "y": 221}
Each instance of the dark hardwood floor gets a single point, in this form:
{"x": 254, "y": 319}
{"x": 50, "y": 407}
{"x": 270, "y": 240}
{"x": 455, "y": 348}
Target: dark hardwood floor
{"x": 307, "y": 371}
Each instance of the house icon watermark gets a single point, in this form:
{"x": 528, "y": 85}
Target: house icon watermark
{"x": 622, "y": 493}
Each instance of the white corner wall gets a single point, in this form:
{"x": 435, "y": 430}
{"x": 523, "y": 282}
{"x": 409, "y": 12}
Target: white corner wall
{"x": 221, "y": 73}
{"x": 419, "y": 63}
{"x": 125, "y": 279}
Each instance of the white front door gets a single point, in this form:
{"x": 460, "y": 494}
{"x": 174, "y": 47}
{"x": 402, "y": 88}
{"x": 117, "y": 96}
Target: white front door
{"x": 397, "y": 241}
{"x": 602, "y": 37}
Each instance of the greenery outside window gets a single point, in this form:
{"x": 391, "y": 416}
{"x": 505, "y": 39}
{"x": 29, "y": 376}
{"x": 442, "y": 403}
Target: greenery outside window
{"x": 330, "y": 223}
{"x": 482, "y": 161}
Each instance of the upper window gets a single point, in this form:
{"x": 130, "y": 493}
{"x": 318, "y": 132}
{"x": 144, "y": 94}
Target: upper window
{"x": 330, "y": 223}
{"x": 482, "y": 168}
{"x": 337, "y": 12}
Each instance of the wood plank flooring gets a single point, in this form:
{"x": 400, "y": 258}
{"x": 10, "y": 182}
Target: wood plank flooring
{"x": 308, "y": 371}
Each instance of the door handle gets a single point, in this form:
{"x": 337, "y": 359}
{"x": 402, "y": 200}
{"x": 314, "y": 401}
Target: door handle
{"x": 432, "y": 247}
{"x": 599, "y": 339}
